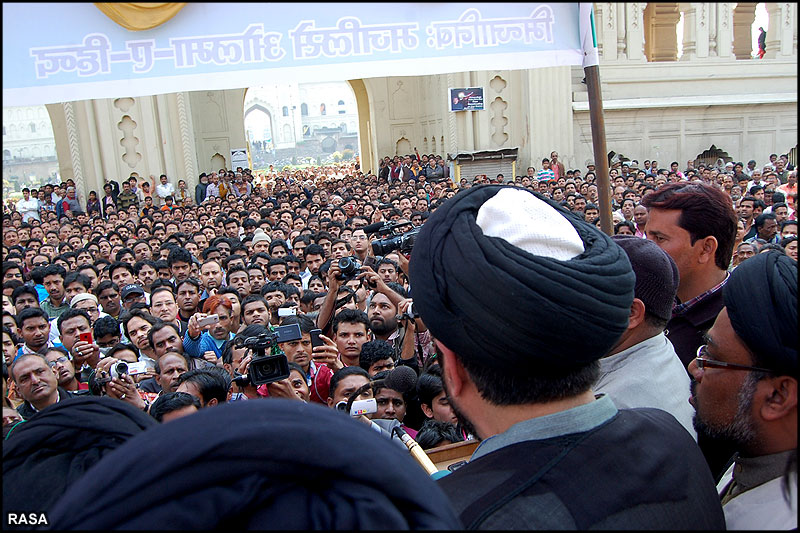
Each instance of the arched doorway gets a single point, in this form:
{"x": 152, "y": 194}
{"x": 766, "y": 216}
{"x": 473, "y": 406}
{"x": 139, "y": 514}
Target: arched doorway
{"x": 301, "y": 126}
{"x": 29, "y": 149}
{"x": 259, "y": 132}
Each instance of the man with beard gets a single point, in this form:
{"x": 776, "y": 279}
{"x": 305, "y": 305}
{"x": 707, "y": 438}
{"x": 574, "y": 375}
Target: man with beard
{"x": 745, "y": 391}
{"x": 410, "y": 339}
{"x": 553, "y": 455}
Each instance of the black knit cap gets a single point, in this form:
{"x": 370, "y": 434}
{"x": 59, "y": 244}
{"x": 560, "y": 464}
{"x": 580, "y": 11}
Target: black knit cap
{"x": 657, "y": 275}
{"x": 761, "y": 300}
{"x": 493, "y": 302}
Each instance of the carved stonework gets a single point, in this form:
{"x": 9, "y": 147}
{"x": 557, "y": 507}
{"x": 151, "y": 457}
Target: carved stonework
{"x": 186, "y": 142}
{"x": 499, "y": 121}
{"x": 74, "y": 145}
{"x": 498, "y": 84}
{"x": 451, "y": 123}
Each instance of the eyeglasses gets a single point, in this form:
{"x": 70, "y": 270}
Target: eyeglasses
{"x": 703, "y": 362}
{"x": 61, "y": 360}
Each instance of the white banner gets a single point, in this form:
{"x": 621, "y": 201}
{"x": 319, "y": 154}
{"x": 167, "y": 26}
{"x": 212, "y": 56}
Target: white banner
{"x": 74, "y": 52}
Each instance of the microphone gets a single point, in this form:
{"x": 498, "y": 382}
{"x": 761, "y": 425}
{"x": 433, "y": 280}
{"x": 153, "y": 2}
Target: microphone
{"x": 403, "y": 379}
{"x": 416, "y": 451}
{"x": 372, "y": 228}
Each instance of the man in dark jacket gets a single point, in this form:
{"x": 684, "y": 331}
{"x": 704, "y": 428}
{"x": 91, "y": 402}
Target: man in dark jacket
{"x": 266, "y": 464}
{"x": 37, "y": 383}
{"x": 554, "y": 455}
{"x": 45, "y": 455}
{"x": 200, "y": 189}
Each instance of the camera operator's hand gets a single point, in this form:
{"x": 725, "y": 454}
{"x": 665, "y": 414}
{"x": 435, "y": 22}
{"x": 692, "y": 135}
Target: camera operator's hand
{"x": 402, "y": 262}
{"x": 105, "y": 364}
{"x": 402, "y": 307}
{"x": 327, "y": 354}
{"x": 211, "y": 357}
{"x": 282, "y": 389}
{"x": 333, "y": 277}
{"x": 244, "y": 364}
{"x": 123, "y": 388}
{"x": 374, "y": 281}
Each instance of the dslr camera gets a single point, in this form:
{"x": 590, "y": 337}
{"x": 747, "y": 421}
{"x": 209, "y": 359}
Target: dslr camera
{"x": 350, "y": 268}
{"x": 393, "y": 239}
{"x": 268, "y": 368}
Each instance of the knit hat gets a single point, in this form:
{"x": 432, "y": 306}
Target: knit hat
{"x": 259, "y": 236}
{"x": 656, "y": 274}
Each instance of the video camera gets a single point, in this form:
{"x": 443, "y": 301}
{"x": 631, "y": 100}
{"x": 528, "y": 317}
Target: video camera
{"x": 392, "y": 239}
{"x": 268, "y": 368}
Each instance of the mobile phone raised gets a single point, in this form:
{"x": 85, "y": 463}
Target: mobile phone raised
{"x": 210, "y": 319}
{"x": 86, "y": 337}
{"x": 315, "y": 340}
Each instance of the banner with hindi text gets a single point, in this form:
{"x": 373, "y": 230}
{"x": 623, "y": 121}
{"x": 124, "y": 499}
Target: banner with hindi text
{"x": 58, "y": 52}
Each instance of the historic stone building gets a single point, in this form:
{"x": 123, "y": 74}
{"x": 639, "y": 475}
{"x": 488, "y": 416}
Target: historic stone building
{"x": 656, "y": 104}
{"x": 28, "y": 145}
{"x": 320, "y": 116}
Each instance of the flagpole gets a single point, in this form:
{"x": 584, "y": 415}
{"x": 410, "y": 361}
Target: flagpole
{"x": 592, "y": 71}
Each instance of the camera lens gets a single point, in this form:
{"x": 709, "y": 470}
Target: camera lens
{"x": 121, "y": 368}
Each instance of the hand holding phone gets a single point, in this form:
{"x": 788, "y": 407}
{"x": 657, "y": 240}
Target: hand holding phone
{"x": 315, "y": 340}
{"x": 207, "y": 321}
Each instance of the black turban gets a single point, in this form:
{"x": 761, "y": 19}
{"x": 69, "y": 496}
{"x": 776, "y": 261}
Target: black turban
{"x": 261, "y": 464}
{"x": 45, "y": 455}
{"x": 761, "y": 299}
{"x": 497, "y": 304}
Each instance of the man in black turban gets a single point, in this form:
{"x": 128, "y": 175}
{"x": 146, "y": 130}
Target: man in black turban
{"x": 524, "y": 299}
{"x": 268, "y": 464}
{"x": 745, "y": 391}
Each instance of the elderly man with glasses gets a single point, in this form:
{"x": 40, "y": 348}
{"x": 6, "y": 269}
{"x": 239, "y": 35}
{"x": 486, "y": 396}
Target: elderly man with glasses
{"x": 745, "y": 391}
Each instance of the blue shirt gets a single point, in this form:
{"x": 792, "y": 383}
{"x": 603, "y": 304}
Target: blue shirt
{"x": 204, "y": 343}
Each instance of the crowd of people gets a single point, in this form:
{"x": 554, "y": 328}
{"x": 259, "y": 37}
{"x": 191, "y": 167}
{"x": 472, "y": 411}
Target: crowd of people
{"x": 152, "y": 296}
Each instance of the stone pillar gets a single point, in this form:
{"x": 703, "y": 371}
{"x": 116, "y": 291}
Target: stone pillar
{"x": 622, "y": 54}
{"x": 661, "y": 42}
{"x": 782, "y": 32}
{"x": 724, "y": 31}
{"x": 634, "y": 31}
{"x": 606, "y": 27}
{"x": 187, "y": 140}
{"x": 743, "y": 17}
{"x": 74, "y": 146}
{"x": 695, "y": 31}
{"x": 773, "y": 32}
{"x": 550, "y": 112}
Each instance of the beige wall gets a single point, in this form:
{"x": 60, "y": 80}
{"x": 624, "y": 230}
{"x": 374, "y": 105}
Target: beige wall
{"x": 218, "y": 119}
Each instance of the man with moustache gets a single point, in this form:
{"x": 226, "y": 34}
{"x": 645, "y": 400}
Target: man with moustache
{"x": 553, "y": 456}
